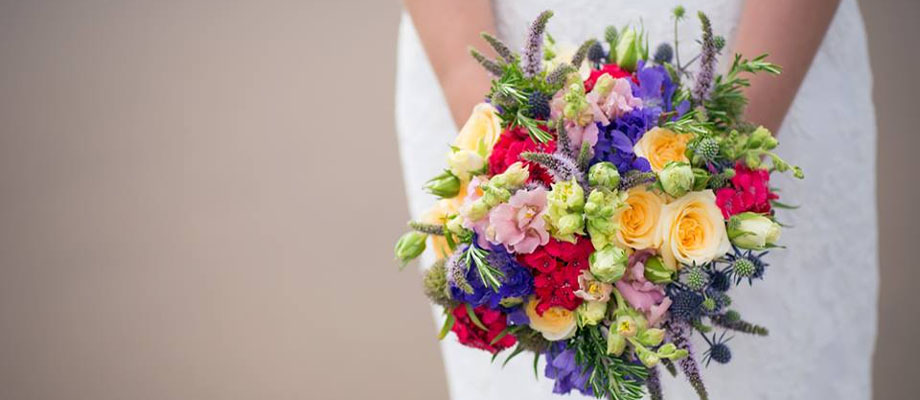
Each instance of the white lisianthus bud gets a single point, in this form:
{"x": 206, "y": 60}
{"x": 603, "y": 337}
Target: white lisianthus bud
{"x": 752, "y": 231}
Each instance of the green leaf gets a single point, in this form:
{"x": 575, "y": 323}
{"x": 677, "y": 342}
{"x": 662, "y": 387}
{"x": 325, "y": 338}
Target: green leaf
{"x": 474, "y": 318}
{"x": 517, "y": 350}
{"x": 501, "y": 334}
{"x": 448, "y": 324}
{"x": 536, "y": 361}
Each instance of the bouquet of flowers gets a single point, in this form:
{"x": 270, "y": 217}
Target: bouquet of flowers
{"x": 598, "y": 210}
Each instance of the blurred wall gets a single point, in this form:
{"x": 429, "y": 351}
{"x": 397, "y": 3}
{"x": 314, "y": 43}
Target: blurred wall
{"x": 183, "y": 214}
{"x": 893, "y": 32}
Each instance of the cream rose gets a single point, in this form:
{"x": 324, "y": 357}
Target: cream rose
{"x": 660, "y": 146}
{"x": 638, "y": 221}
{"x": 691, "y": 230}
{"x": 481, "y": 130}
{"x": 556, "y": 323}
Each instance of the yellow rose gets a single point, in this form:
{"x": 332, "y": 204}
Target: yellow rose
{"x": 692, "y": 230}
{"x": 638, "y": 221}
{"x": 556, "y": 323}
{"x": 660, "y": 146}
{"x": 481, "y": 130}
{"x": 438, "y": 215}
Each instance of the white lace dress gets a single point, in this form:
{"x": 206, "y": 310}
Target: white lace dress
{"x": 818, "y": 297}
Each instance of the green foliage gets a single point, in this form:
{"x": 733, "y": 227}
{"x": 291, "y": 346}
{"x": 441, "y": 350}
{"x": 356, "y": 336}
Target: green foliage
{"x": 726, "y": 102}
{"x": 611, "y": 377}
{"x": 474, "y": 256}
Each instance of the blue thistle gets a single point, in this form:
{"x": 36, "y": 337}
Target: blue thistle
{"x": 718, "y": 350}
{"x": 664, "y": 53}
{"x": 538, "y": 104}
{"x": 596, "y": 53}
{"x": 746, "y": 265}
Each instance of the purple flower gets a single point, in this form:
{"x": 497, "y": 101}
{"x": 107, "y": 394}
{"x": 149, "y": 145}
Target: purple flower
{"x": 561, "y": 366}
{"x": 615, "y": 142}
{"x": 517, "y": 283}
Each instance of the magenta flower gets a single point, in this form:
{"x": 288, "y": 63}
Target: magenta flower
{"x": 518, "y": 224}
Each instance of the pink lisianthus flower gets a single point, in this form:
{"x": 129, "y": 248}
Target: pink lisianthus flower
{"x": 618, "y": 101}
{"x": 519, "y": 224}
{"x": 641, "y": 294}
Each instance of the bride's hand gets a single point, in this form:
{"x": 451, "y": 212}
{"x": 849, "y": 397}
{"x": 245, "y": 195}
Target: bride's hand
{"x": 790, "y": 31}
{"x": 447, "y": 28}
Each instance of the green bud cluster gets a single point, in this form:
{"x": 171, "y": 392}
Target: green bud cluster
{"x": 696, "y": 278}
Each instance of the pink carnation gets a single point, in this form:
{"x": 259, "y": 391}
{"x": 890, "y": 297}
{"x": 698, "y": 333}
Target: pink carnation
{"x": 518, "y": 224}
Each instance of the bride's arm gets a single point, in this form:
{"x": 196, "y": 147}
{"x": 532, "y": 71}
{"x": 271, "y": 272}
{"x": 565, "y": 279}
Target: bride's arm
{"x": 447, "y": 28}
{"x": 791, "y": 31}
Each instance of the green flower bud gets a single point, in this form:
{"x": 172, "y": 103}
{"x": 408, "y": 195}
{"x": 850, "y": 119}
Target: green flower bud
{"x": 628, "y": 49}
{"x": 569, "y": 224}
{"x": 676, "y": 178}
{"x": 701, "y": 178}
{"x": 651, "y": 337}
{"x": 599, "y": 212}
{"x": 657, "y": 272}
{"x": 608, "y": 264}
{"x": 752, "y": 231}
{"x": 445, "y": 186}
{"x": 649, "y": 358}
{"x": 616, "y": 343}
{"x": 626, "y": 326}
{"x": 667, "y": 349}
{"x": 590, "y": 313}
{"x": 410, "y": 246}
{"x": 605, "y": 175}
{"x": 759, "y": 138}
{"x": 513, "y": 178}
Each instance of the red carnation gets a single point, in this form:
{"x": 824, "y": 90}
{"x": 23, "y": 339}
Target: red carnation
{"x": 557, "y": 266}
{"x": 508, "y": 150}
{"x": 473, "y": 336}
{"x": 614, "y": 70}
{"x": 750, "y": 191}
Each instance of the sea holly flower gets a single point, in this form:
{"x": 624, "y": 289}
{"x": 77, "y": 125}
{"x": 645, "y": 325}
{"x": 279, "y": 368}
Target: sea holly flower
{"x": 752, "y": 231}
{"x": 676, "y": 178}
{"x": 600, "y": 209}
{"x": 566, "y": 202}
{"x": 519, "y": 224}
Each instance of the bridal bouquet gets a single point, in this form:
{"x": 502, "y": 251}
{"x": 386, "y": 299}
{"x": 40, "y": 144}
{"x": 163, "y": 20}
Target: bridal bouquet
{"x": 599, "y": 209}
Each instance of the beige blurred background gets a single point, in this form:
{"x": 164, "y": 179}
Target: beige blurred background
{"x": 192, "y": 207}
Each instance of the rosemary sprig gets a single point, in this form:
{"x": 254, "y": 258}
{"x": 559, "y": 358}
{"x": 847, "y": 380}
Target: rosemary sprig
{"x": 474, "y": 256}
